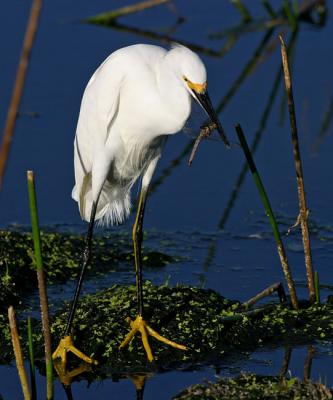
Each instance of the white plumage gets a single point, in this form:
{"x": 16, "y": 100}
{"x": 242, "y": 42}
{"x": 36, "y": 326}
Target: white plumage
{"x": 138, "y": 96}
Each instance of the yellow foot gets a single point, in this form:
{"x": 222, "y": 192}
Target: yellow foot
{"x": 66, "y": 345}
{"x": 140, "y": 325}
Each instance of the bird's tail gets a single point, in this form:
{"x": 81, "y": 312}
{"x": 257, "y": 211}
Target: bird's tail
{"x": 114, "y": 204}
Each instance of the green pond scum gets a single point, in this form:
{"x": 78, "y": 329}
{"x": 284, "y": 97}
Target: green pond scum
{"x": 61, "y": 258}
{"x": 208, "y": 324}
{"x": 201, "y": 319}
{"x": 252, "y": 387}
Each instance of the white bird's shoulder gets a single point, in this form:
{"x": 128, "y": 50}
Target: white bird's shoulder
{"x": 128, "y": 58}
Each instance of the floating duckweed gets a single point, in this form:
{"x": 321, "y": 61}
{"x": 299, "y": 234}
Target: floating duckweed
{"x": 249, "y": 386}
{"x": 61, "y": 257}
{"x": 199, "y": 318}
{"x": 190, "y": 316}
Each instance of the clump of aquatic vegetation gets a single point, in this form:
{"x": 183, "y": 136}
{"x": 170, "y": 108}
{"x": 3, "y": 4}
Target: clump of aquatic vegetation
{"x": 61, "y": 256}
{"x": 221, "y": 325}
{"x": 249, "y": 386}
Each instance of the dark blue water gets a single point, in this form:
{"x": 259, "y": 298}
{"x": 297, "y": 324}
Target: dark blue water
{"x": 186, "y": 210}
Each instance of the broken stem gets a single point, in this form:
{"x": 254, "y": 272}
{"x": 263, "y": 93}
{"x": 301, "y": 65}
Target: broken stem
{"x": 275, "y": 287}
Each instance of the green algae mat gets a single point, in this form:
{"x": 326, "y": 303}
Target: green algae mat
{"x": 253, "y": 387}
{"x": 61, "y": 257}
{"x": 208, "y": 324}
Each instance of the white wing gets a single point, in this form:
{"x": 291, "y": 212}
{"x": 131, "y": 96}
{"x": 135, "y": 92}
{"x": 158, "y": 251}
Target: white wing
{"x": 98, "y": 108}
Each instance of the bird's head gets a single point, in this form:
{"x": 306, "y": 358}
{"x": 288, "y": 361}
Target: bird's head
{"x": 192, "y": 73}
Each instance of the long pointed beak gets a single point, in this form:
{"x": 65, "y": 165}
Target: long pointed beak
{"x": 205, "y": 102}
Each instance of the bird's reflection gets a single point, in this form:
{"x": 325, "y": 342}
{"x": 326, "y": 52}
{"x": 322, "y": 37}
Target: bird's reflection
{"x": 66, "y": 378}
{"x": 140, "y": 379}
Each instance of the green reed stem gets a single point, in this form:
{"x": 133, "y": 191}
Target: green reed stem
{"x": 41, "y": 284}
{"x": 317, "y": 287}
{"x": 111, "y": 16}
{"x": 18, "y": 354}
{"x": 271, "y": 217}
{"x": 269, "y": 8}
{"x": 31, "y": 361}
{"x": 246, "y": 16}
{"x": 289, "y": 11}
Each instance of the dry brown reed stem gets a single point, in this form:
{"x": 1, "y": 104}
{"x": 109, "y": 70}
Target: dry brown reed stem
{"x": 275, "y": 287}
{"x": 299, "y": 174}
{"x": 18, "y": 86}
{"x": 18, "y": 353}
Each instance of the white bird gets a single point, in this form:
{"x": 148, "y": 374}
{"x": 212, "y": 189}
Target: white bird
{"x": 137, "y": 97}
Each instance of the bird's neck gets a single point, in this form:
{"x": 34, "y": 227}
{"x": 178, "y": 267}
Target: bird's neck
{"x": 171, "y": 88}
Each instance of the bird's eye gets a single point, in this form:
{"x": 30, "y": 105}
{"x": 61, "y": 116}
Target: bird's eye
{"x": 185, "y": 79}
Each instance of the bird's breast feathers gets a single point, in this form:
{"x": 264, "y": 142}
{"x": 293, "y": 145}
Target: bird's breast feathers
{"x": 144, "y": 110}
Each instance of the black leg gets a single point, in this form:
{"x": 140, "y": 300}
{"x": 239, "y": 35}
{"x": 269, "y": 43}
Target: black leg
{"x": 68, "y": 392}
{"x": 139, "y": 324}
{"x": 85, "y": 261}
{"x": 137, "y": 241}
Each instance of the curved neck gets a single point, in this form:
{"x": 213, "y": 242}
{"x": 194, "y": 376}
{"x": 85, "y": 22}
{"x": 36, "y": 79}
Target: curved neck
{"x": 171, "y": 86}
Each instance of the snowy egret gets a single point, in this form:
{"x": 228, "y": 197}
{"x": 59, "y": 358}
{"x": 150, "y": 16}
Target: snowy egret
{"x": 137, "y": 97}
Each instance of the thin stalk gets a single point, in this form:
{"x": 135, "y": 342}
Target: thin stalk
{"x": 167, "y": 39}
{"x": 299, "y": 174}
{"x": 308, "y": 363}
{"x": 285, "y": 364}
{"x": 288, "y": 10}
{"x": 244, "y": 12}
{"x": 271, "y": 217}
{"x": 275, "y": 287}
{"x": 111, "y": 16}
{"x": 269, "y": 8}
{"x": 18, "y": 354}
{"x": 317, "y": 286}
{"x": 257, "y": 137}
{"x": 41, "y": 284}
{"x": 31, "y": 361}
{"x": 18, "y": 86}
